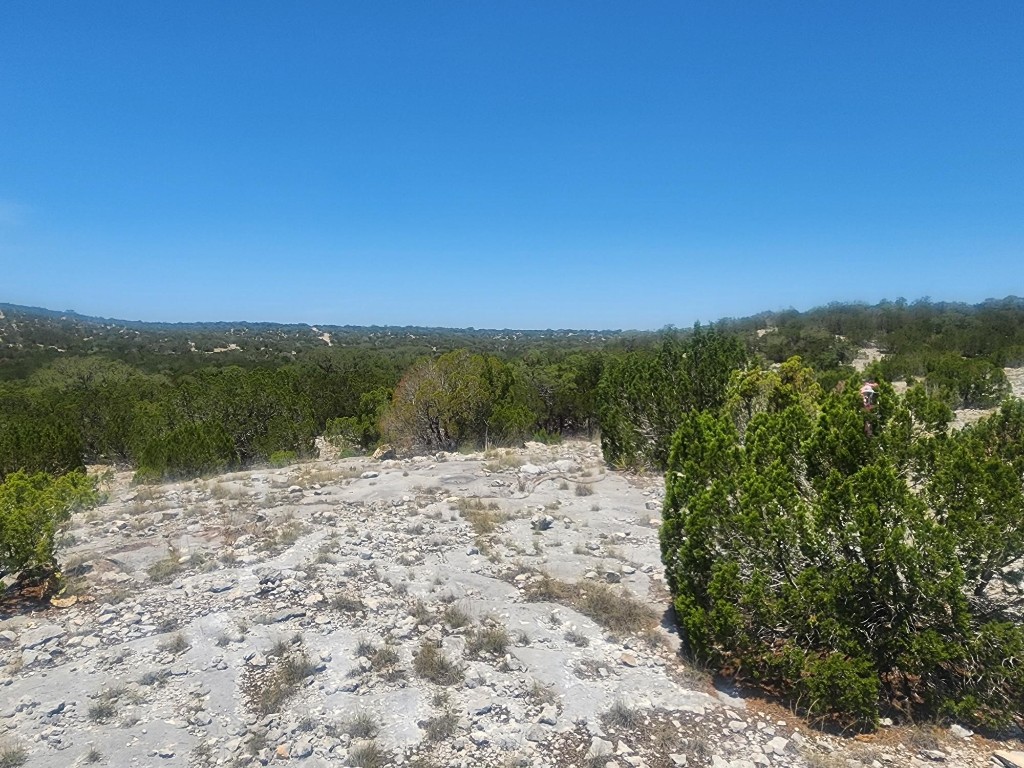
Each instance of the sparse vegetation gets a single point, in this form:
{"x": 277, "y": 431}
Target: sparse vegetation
{"x": 103, "y": 710}
{"x": 484, "y": 518}
{"x": 621, "y": 715}
{"x": 384, "y": 657}
{"x": 432, "y": 664}
{"x": 175, "y": 644}
{"x": 362, "y": 726}
{"x": 577, "y": 638}
{"x": 455, "y": 617}
{"x": 347, "y": 603}
{"x": 166, "y": 569}
{"x": 368, "y": 754}
{"x": 441, "y": 726}
{"x": 12, "y": 756}
{"x": 490, "y": 640}
{"x": 614, "y": 609}
{"x": 290, "y": 670}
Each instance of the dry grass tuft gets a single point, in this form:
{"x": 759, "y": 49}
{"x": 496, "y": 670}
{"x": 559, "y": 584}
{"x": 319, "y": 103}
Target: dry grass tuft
{"x": 493, "y": 641}
{"x": 484, "y": 518}
{"x": 614, "y": 609}
{"x": 431, "y": 664}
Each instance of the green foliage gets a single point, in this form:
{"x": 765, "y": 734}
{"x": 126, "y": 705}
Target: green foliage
{"x": 849, "y": 559}
{"x": 223, "y": 419}
{"x": 38, "y": 432}
{"x": 458, "y": 399}
{"x": 642, "y": 395}
{"x": 32, "y": 509}
{"x": 283, "y": 458}
{"x": 360, "y": 430}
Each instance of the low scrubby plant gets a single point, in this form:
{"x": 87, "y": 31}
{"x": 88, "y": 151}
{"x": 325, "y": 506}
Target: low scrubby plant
{"x": 442, "y": 725}
{"x": 12, "y": 756}
{"x": 493, "y": 641}
{"x": 33, "y": 508}
{"x": 433, "y": 665}
{"x": 363, "y": 726}
{"x": 368, "y": 754}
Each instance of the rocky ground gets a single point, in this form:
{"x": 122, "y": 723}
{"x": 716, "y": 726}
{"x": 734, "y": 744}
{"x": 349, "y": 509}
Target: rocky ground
{"x": 499, "y": 609}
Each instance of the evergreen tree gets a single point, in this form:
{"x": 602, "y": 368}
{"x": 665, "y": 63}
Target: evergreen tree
{"x": 849, "y": 558}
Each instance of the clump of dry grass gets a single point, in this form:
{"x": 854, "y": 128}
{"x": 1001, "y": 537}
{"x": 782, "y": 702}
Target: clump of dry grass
{"x": 368, "y": 754}
{"x": 614, "y": 609}
{"x": 292, "y": 669}
{"x": 455, "y": 617}
{"x": 577, "y": 638}
{"x": 175, "y": 644}
{"x": 431, "y": 664}
{"x": 493, "y": 641}
{"x": 441, "y": 726}
{"x": 12, "y": 756}
{"x": 363, "y": 726}
{"x": 484, "y": 518}
{"x": 166, "y": 569}
{"x": 622, "y": 715}
{"x": 500, "y": 460}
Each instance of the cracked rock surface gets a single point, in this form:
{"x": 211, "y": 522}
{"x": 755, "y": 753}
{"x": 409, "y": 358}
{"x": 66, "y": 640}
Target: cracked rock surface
{"x": 493, "y": 609}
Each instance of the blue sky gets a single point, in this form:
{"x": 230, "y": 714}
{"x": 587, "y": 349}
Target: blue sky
{"x": 517, "y": 164}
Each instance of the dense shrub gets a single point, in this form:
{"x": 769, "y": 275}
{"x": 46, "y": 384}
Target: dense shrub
{"x": 222, "y": 419}
{"x": 958, "y": 381}
{"x": 32, "y": 509}
{"x": 459, "y": 399}
{"x": 643, "y": 394}
{"x": 850, "y": 560}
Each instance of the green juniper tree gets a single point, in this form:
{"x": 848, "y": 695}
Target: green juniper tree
{"x": 850, "y": 559}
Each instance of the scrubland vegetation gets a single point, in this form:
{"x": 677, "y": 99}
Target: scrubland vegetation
{"x": 854, "y": 561}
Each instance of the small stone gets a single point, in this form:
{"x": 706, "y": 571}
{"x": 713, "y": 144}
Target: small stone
{"x": 53, "y": 707}
{"x": 629, "y": 660}
{"x": 535, "y": 734}
{"x": 548, "y": 715}
{"x": 294, "y": 489}
{"x": 541, "y": 522}
{"x": 40, "y": 635}
{"x": 369, "y": 474}
{"x": 737, "y": 726}
{"x": 958, "y": 731}
{"x": 256, "y": 660}
{"x": 599, "y": 747}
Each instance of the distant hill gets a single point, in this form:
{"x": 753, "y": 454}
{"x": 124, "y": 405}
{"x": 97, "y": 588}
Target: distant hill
{"x": 31, "y": 336}
{"x": 826, "y": 337}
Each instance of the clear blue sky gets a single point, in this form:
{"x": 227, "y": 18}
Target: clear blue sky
{"x": 513, "y": 164}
